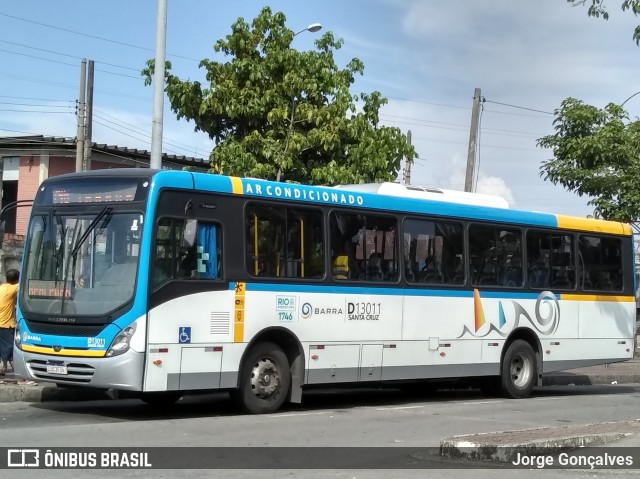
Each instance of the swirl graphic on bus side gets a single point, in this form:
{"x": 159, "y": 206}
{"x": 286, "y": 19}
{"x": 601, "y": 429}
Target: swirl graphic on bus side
{"x": 545, "y": 322}
{"x": 306, "y": 310}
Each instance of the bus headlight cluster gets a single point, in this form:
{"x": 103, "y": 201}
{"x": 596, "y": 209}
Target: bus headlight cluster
{"x": 18, "y": 338}
{"x": 122, "y": 341}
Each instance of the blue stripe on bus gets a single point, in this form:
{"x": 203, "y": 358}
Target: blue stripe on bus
{"x": 208, "y": 182}
{"x": 338, "y": 289}
{"x": 72, "y": 342}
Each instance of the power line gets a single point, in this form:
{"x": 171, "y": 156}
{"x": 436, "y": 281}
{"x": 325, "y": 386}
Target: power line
{"x": 34, "y": 99}
{"x": 170, "y": 141}
{"x": 33, "y": 111}
{"x": 73, "y": 65}
{"x": 74, "y": 87}
{"x": 519, "y": 107}
{"x": 33, "y": 104}
{"x": 134, "y": 137}
{"x": 93, "y": 36}
{"x": 67, "y": 55}
{"x": 416, "y": 100}
{"x": 141, "y": 131}
{"x": 466, "y": 127}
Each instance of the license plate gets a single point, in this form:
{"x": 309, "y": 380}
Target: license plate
{"x": 56, "y": 369}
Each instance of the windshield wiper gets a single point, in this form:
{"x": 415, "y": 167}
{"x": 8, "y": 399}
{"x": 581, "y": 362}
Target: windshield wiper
{"x": 88, "y": 231}
{"x": 76, "y": 247}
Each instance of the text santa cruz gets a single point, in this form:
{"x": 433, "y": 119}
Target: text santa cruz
{"x": 308, "y": 194}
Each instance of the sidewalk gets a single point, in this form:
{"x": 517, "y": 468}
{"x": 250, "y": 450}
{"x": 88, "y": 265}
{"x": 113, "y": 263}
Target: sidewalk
{"x": 627, "y": 372}
{"x": 506, "y": 446}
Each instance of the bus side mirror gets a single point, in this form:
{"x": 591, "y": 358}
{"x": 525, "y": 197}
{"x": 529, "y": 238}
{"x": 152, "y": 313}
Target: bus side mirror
{"x": 189, "y": 233}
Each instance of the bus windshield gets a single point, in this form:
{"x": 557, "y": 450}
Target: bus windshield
{"x": 82, "y": 263}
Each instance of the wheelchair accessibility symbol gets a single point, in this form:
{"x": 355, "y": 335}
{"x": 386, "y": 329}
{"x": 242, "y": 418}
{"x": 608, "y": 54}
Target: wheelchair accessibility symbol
{"x": 184, "y": 337}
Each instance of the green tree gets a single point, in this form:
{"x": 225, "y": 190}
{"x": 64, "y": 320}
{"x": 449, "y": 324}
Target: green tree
{"x": 598, "y": 10}
{"x": 278, "y": 113}
{"x": 596, "y": 153}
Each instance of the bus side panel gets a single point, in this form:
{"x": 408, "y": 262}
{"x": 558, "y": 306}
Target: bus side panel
{"x": 313, "y": 315}
{"x": 607, "y": 319}
{"x": 433, "y": 316}
{"x": 577, "y": 353}
{"x": 434, "y": 359}
{"x": 186, "y": 350}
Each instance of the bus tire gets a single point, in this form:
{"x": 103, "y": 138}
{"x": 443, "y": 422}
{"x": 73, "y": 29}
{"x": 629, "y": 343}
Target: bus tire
{"x": 265, "y": 378}
{"x": 519, "y": 370}
{"x": 161, "y": 398}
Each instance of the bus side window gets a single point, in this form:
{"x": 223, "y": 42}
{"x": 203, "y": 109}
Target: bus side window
{"x": 173, "y": 261}
{"x": 284, "y": 242}
{"x": 341, "y": 267}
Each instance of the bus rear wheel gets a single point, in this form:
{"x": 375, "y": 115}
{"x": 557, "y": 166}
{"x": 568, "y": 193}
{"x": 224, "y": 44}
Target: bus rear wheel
{"x": 519, "y": 370}
{"x": 265, "y": 378}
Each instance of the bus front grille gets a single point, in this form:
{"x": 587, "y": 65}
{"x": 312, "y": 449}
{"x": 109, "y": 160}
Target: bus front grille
{"x": 76, "y": 372}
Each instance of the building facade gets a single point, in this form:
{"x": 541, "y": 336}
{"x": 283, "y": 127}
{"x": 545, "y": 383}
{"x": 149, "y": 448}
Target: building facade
{"x": 27, "y": 161}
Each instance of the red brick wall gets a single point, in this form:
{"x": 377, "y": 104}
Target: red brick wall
{"x": 29, "y": 177}
{"x": 59, "y": 165}
{"x": 28, "y": 182}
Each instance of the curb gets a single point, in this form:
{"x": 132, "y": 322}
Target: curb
{"x": 486, "y": 451}
{"x": 567, "y": 379}
{"x": 46, "y": 393}
{"x": 506, "y": 446}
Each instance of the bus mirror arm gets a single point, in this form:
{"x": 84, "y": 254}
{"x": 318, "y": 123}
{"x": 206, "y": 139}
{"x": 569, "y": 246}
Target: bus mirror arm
{"x": 7, "y": 207}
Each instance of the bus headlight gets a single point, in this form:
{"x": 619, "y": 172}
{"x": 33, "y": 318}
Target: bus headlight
{"x": 122, "y": 341}
{"x": 18, "y": 338}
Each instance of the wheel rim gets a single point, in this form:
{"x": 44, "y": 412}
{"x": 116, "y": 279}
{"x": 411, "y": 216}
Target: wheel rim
{"x": 265, "y": 379}
{"x": 521, "y": 370}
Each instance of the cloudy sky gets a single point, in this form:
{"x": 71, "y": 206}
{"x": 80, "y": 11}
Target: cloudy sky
{"x": 425, "y": 56}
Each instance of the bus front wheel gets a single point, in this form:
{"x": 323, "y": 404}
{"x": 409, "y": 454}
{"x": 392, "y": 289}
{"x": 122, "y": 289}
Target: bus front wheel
{"x": 265, "y": 378}
{"x": 519, "y": 370}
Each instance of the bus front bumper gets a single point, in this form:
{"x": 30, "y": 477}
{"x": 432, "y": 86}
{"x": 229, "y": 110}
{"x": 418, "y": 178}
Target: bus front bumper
{"x": 123, "y": 372}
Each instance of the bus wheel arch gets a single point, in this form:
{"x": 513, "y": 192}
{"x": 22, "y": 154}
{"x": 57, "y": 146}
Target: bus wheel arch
{"x": 520, "y": 364}
{"x": 270, "y": 341}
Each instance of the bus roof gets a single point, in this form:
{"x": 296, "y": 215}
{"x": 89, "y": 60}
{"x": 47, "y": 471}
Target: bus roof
{"x": 384, "y": 196}
{"x": 427, "y": 193}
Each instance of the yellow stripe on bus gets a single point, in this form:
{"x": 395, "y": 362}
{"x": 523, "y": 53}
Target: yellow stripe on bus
{"x": 236, "y": 185}
{"x": 238, "y": 313}
{"x": 596, "y": 226}
{"x": 598, "y": 297}
{"x": 63, "y": 352}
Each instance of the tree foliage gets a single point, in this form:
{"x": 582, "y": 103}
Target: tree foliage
{"x": 278, "y": 113}
{"x": 596, "y": 153}
{"x": 598, "y": 10}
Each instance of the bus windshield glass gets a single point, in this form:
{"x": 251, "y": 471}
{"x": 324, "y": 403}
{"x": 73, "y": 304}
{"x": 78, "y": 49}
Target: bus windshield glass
{"x": 81, "y": 264}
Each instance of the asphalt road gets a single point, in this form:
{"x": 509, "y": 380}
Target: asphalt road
{"x": 336, "y": 418}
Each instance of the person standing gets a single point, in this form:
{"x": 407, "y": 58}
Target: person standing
{"x": 8, "y": 294}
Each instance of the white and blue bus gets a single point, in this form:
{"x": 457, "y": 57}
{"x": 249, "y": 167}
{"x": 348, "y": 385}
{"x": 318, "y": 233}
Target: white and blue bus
{"x": 161, "y": 282}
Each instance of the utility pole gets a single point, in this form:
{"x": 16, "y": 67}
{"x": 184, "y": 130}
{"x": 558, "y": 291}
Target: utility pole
{"x": 158, "y": 86}
{"x": 473, "y": 136}
{"x": 86, "y": 164}
{"x": 80, "y": 132}
{"x": 407, "y": 165}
